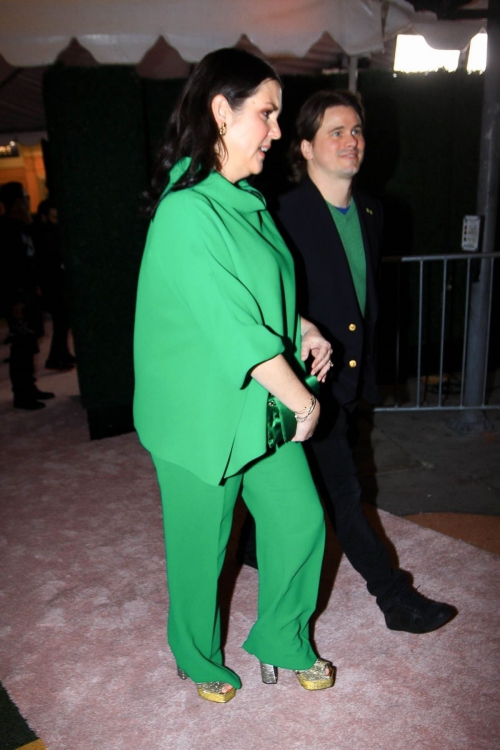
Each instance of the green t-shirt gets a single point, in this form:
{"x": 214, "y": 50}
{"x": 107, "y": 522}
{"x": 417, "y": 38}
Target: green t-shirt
{"x": 349, "y": 229}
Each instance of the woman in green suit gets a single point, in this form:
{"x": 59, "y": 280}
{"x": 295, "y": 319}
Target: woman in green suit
{"x": 216, "y": 333}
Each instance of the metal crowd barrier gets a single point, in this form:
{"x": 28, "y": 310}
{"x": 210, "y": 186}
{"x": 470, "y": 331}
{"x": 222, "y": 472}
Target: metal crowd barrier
{"x": 428, "y": 384}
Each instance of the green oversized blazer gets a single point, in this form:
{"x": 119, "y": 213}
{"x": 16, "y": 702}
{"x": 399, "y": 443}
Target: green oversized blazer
{"x": 216, "y": 296}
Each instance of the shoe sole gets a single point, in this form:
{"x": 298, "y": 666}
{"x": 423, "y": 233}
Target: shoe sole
{"x": 30, "y": 408}
{"x": 217, "y": 697}
{"x": 431, "y": 627}
{"x": 317, "y": 684}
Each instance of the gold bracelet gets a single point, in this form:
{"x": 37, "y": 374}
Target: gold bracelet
{"x": 302, "y": 418}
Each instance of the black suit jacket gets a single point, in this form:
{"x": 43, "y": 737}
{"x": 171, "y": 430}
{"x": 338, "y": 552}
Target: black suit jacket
{"x": 325, "y": 288}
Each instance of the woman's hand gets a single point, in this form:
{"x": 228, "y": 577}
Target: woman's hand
{"x": 277, "y": 377}
{"x": 305, "y": 429}
{"x": 313, "y": 343}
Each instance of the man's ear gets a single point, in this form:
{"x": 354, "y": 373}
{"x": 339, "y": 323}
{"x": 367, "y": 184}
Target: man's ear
{"x": 220, "y": 109}
{"x": 306, "y": 149}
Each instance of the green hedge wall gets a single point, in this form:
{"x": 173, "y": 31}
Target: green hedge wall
{"x": 104, "y": 127}
{"x": 97, "y": 150}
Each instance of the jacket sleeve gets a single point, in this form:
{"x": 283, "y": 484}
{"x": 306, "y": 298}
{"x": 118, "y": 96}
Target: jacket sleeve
{"x": 190, "y": 245}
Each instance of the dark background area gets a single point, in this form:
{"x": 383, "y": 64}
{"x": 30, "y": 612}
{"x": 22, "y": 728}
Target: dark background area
{"x": 105, "y": 125}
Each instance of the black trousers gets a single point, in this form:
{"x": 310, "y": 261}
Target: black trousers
{"x": 21, "y": 365}
{"x": 330, "y": 454}
{"x": 24, "y": 334}
{"x": 331, "y": 457}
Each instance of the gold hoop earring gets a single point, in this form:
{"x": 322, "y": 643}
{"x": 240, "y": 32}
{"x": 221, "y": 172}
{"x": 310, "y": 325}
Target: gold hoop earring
{"x": 223, "y": 129}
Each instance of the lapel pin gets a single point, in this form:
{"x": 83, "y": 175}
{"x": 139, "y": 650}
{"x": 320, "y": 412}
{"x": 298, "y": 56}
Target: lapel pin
{"x": 369, "y": 211}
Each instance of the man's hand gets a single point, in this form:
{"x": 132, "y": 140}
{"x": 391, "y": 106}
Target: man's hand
{"x": 315, "y": 345}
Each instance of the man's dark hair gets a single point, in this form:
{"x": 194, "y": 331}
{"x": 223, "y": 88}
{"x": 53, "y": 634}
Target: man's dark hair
{"x": 192, "y": 130}
{"x": 309, "y": 121}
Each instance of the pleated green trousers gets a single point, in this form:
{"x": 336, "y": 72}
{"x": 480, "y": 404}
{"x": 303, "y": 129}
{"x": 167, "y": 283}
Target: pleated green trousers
{"x": 280, "y": 493}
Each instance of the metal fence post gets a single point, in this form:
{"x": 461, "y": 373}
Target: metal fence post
{"x": 422, "y": 362}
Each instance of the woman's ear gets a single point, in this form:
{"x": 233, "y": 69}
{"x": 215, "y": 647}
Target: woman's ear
{"x": 220, "y": 109}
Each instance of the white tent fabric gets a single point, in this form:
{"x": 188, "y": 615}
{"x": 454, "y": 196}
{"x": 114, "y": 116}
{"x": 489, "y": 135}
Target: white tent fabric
{"x": 438, "y": 34}
{"x": 34, "y": 32}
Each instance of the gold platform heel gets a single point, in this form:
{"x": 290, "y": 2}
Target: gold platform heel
{"x": 269, "y": 674}
{"x": 315, "y": 678}
{"x": 210, "y": 691}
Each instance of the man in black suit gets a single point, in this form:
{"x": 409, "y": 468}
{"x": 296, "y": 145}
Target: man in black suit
{"x": 335, "y": 233}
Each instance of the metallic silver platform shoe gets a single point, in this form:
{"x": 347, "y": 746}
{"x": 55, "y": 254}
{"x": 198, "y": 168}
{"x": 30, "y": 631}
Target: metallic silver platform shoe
{"x": 313, "y": 678}
{"x": 210, "y": 691}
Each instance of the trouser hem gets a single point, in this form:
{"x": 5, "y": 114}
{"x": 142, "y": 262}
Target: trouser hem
{"x": 305, "y": 662}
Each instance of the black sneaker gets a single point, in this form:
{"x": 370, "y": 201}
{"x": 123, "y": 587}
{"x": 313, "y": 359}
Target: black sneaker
{"x": 414, "y": 613}
{"x": 28, "y": 403}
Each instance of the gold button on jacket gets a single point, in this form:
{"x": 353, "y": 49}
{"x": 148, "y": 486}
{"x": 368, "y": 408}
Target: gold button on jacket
{"x": 352, "y": 363}
{"x": 352, "y": 326}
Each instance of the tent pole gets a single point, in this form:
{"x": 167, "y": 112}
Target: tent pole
{"x": 476, "y": 366}
{"x": 353, "y": 73}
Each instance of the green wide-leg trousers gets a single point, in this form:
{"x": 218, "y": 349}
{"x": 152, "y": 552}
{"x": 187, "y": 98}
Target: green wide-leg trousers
{"x": 280, "y": 494}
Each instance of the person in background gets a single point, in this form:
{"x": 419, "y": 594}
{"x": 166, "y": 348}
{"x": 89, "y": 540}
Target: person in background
{"x": 51, "y": 275}
{"x": 20, "y": 296}
{"x": 217, "y": 333}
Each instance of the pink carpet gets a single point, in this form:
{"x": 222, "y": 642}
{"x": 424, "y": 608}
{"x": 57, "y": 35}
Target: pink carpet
{"x": 83, "y": 651}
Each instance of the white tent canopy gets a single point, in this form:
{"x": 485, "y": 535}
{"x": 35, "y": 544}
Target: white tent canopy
{"x": 162, "y": 37}
{"x": 34, "y": 32}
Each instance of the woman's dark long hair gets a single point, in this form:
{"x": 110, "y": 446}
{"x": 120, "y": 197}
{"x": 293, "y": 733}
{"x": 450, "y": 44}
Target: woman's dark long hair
{"x": 192, "y": 130}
